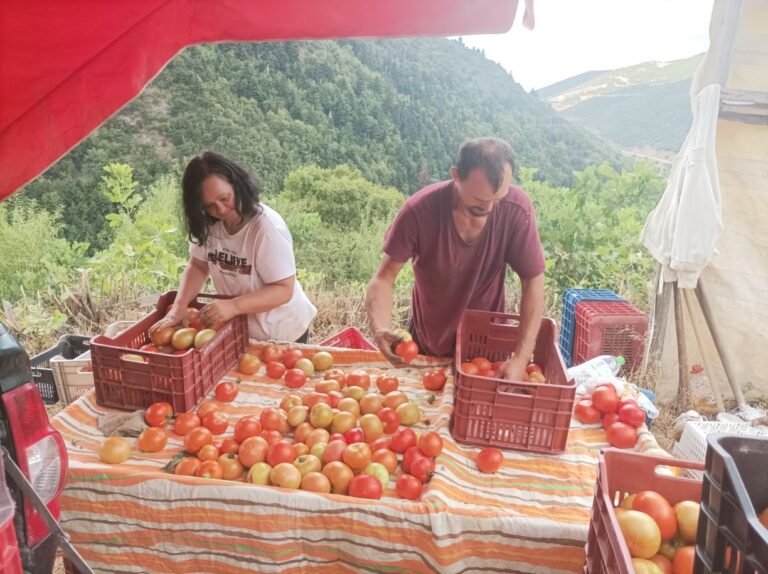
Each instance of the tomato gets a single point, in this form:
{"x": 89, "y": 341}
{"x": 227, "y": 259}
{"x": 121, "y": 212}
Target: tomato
{"x": 326, "y": 386}
{"x": 668, "y": 548}
{"x": 183, "y": 339}
{"x": 395, "y": 399}
{"x": 290, "y": 357}
{"x": 316, "y": 436}
{"x": 402, "y": 440}
{"x": 531, "y": 368}
{"x": 216, "y": 421}
{"x": 632, "y": 415}
{"x": 434, "y": 380}
{"x": 371, "y": 426}
{"x": 208, "y": 452}
{"x": 687, "y": 513}
{"x": 586, "y": 413}
{"x": 206, "y": 406}
{"x": 295, "y": 378}
{"x": 663, "y": 563}
{"x": 763, "y": 517}
{"x": 336, "y": 375}
{"x": 315, "y": 482}
{"x": 407, "y": 350}
{"x": 489, "y": 460}
{"x": 371, "y": 403}
{"x": 271, "y": 436}
{"x": 114, "y": 450}
{"x": 408, "y": 487}
{"x": 640, "y": 532}
{"x": 158, "y": 414}
{"x": 378, "y": 444}
{"x": 354, "y": 435}
{"x": 411, "y": 454}
{"x": 387, "y": 384}
{"x": 357, "y": 455}
{"x": 226, "y": 392}
{"x": 390, "y": 419}
{"x": 311, "y": 399}
{"x": 605, "y": 399}
{"x": 657, "y": 507}
{"x": 683, "y": 561}
{"x": 481, "y": 363}
{"x": 609, "y": 419}
{"x": 365, "y": 486}
{"x": 229, "y": 446}
{"x": 386, "y": 458}
{"x": 271, "y": 353}
{"x": 289, "y": 401}
{"x": 195, "y": 439}
{"x": 209, "y": 469}
{"x": 430, "y": 444}
{"x": 185, "y": 422}
{"x": 469, "y": 369}
{"x": 621, "y": 435}
{"x": 281, "y": 451}
{"x": 322, "y": 360}
{"x": 152, "y": 440}
{"x": 231, "y": 468}
{"x": 187, "y": 466}
{"x": 252, "y": 450}
{"x": 275, "y": 370}
{"x": 643, "y": 566}
{"x": 359, "y": 378}
{"x": 162, "y": 337}
{"x": 247, "y": 427}
{"x": 409, "y": 413}
{"x": 422, "y": 468}
{"x": 270, "y": 419}
{"x": 340, "y": 476}
{"x": 249, "y": 364}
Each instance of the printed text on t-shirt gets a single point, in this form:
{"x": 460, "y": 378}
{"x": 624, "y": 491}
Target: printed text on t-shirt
{"x": 229, "y": 261}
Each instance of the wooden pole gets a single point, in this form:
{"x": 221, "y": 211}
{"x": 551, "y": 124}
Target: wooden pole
{"x": 729, "y": 374}
{"x": 658, "y": 322}
{"x": 683, "y": 386}
{"x": 687, "y": 295}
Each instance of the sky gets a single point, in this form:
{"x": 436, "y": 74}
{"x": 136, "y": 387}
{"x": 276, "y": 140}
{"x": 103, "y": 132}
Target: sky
{"x": 575, "y": 36}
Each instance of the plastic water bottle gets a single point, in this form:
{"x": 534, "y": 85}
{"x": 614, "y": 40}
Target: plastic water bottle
{"x": 602, "y": 367}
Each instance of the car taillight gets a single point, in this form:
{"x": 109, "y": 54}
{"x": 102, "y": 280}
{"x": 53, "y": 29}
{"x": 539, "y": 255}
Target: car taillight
{"x": 40, "y": 454}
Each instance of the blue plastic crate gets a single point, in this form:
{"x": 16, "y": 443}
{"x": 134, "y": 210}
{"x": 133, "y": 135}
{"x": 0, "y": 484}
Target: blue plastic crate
{"x": 570, "y": 298}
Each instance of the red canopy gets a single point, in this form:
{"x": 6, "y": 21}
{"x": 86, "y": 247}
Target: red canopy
{"x": 67, "y": 66}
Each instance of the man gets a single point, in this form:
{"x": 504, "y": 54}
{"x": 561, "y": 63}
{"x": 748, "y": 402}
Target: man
{"x": 460, "y": 235}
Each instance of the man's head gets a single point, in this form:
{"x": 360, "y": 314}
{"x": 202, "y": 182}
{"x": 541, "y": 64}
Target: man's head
{"x": 483, "y": 173}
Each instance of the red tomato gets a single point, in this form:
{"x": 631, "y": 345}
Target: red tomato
{"x": 187, "y": 466}
{"x": 281, "y": 451}
{"x": 390, "y": 419}
{"x": 275, "y": 370}
{"x": 158, "y": 414}
{"x": 481, "y": 363}
{"x": 387, "y": 384}
{"x": 407, "y": 350}
{"x": 657, "y": 507}
{"x": 632, "y": 415}
{"x": 226, "y": 392}
{"x": 216, "y": 422}
{"x": 354, "y": 435}
{"x": 378, "y": 444}
{"x": 249, "y": 364}
{"x": 469, "y": 369}
{"x": 422, "y": 468}
{"x": 152, "y": 440}
{"x": 683, "y": 562}
{"x": 434, "y": 379}
{"x": 605, "y": 399}
{"x": 185, "y": 422}
{"x": 365, "y": 486}
{"x": 487, "y": 373}
{"x": 609, "y": 419}
{"x": 359, "y": 378}
{"x": 411, "y": 454}
{"x": 295, "y": 378}
{"x": 430, "y": 444}
{"x": 664, "y": 564}
{"x": 402, "y": 440}
{"x": 290, "y": 357}
{"x": 247, "y": 427}
{"x": 489, "y": 460}
{"x": 229, "y": 446}
{"x": 206, "y": 406}
{"x": 271, "y": 353}
{"x": 586, "y": 413}
{"x": 210, "y": 469}
{"x": 408, "y": 487}
{"x": 197, "y": 438}
{"x": 533, "y": 368}
{"x": 270, "y": 418}
{"x": 385, "y": 457}
{"x": 253, "y": 450}
{"x": 621, "y": 435}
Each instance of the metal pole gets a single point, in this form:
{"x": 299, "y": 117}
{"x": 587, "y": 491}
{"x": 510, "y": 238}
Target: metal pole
{"x": 687, "y": 295}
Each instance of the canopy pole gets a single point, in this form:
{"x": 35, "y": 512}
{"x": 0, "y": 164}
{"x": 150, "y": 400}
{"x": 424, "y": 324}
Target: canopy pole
{"x": 683, "y": 384}
{"x": 687, "y": 295}
{"x": 658, "y": 322}
{"x": 729, "y": 374}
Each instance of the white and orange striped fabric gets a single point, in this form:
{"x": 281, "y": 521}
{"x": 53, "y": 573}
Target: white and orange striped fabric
{"x": 529, "y": 517}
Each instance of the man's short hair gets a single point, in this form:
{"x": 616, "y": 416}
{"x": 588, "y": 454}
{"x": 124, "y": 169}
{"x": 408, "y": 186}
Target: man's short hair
{"x": 490, "y": 154}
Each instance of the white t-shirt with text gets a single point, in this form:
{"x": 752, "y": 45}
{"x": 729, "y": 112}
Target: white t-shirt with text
{"x": 258, "y": 254}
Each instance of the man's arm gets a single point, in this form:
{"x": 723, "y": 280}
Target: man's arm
{"x": 378, "y": 304}
{"x": 531, "y": 310}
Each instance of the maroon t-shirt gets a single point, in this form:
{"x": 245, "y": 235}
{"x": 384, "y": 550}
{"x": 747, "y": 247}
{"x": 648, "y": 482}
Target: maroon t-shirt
{"x": 452, "y": 275}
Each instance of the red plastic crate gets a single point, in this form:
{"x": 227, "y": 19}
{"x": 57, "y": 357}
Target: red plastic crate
{"x": 181, "y": 380}
{"x": 621, "y": 473}
{"x": 349, "y": 338}
{"x": 735, "y": 490}
{"x": 509, "y": 414}
{"x": 609, "y": 328}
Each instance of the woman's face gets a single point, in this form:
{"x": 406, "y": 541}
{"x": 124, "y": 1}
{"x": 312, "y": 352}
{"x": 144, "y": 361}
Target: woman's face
{"x": 218, "y": 199}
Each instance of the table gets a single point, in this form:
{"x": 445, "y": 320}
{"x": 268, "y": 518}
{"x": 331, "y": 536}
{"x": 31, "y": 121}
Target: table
{"x": 530, "y": 517}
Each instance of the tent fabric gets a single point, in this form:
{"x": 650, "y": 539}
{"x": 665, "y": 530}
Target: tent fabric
{"x": 66, "y": 67}
{"x": 681, "y": 233}
{"x": 736, "y": 280}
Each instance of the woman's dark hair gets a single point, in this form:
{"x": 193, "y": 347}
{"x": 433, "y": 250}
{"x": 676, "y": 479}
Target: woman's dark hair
{"x": 490, "y": 154}
{"x": 201, "y": 167}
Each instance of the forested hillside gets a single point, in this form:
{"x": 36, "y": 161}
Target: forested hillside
{"x": 396, "y": 110}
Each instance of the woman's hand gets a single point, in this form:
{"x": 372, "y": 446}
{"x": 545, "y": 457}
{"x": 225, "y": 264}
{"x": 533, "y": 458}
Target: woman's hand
{"x": 214, "y": 315}
{"x": 172, "y": 318}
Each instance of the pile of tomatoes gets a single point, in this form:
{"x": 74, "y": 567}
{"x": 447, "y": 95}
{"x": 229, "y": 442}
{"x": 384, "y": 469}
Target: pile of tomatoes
{"x": 620, "y": 417}
{"x": 485, "y": 368}
{"x": 660, "y": 537}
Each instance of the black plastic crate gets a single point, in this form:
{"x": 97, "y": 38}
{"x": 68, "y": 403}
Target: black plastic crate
{"x": 69, "y": 347}
{"x": 730, "y": 538}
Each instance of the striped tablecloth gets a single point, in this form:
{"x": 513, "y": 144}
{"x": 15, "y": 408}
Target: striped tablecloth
{"x": 529, "y": 517}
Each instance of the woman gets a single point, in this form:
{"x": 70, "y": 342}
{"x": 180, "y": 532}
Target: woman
{"x": 246, "y": 249}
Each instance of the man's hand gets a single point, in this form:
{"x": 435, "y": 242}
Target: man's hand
{"x": 215, "y": 314}
{"x": 385, "y": 341}
{"x": 513, "y": 369}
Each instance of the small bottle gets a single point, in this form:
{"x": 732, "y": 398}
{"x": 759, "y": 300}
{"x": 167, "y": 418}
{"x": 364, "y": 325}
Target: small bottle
{"x": 602, "y": 367}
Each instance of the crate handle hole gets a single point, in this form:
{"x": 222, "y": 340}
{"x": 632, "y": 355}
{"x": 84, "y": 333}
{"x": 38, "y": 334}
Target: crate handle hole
{"x": 505, "y": 322}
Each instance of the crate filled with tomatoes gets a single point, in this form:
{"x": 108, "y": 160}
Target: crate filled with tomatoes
{"x": 178, "y": 366}
{"x": 533, "y": 414}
